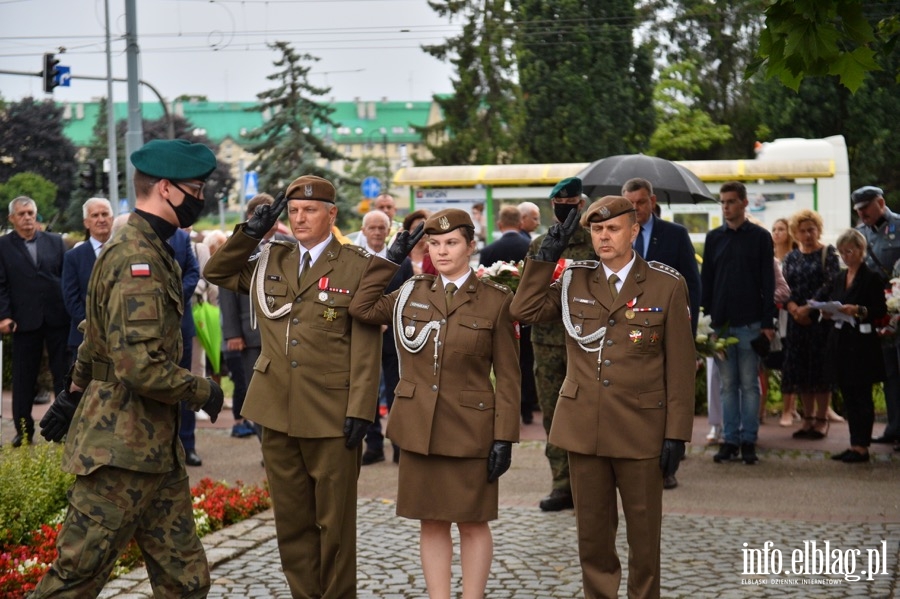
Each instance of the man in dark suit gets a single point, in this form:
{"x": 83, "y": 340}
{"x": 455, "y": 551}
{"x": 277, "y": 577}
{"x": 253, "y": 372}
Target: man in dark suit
{"x": 31, "y": 308}
{"x": 668, "y": 243}
{"x": 190, "y": 276}
{"x": 512, "y": 245}
{"x": 663, "y": 241}
{"x": 78, "y": 263}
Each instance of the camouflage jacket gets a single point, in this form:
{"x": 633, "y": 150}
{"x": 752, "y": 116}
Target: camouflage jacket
{"x": 128, "y": 362}
{"x": 580, "y": 248}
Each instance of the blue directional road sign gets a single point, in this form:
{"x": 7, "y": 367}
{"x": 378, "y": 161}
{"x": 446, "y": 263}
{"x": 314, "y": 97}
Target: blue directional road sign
{"x": 251, "y": 184}
{"x": 64, "y": 76}
{"x": 371, "y": 187}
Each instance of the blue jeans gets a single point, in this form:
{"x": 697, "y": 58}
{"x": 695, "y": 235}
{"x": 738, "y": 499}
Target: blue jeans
{"x": 739, "y": 374}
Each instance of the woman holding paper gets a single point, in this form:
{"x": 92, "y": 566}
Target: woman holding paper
{"x": 853, "y": 349}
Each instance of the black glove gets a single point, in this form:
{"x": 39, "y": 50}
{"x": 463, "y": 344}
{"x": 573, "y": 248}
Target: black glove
{"x": 55, "y": 423}
{"x": 213, "y": 405}
{"x": 404, "y": 244}
{"x": 499, "y": 459}
{"x": 265, "y": 217}
{"x": 672, "y": 452}
{"x": 354, "y": 430}
{"x": 557, "y": 239}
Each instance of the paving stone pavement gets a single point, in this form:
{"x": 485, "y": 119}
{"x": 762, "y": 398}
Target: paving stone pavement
{"x": 535, "y": 557}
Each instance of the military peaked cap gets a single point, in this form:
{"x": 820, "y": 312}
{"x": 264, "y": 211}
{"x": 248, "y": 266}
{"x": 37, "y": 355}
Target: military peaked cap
{"x": 864, "y": 195}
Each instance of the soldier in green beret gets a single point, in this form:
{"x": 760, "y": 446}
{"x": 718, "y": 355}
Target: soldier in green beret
{"x": 549, "y": 342}
{"x": 121, "y": 405}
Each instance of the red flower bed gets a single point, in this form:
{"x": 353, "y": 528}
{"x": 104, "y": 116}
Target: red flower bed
{"x": 22, "y": 566}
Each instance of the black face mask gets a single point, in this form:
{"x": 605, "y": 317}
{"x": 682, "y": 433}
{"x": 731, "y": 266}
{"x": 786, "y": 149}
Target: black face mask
{"x": 561, "y": 211}
{"x": 189, "y": 210}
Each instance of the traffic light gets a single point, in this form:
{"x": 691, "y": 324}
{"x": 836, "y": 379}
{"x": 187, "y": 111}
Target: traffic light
{"x": 50, "y": 72}
{"x": 88, "y": 175}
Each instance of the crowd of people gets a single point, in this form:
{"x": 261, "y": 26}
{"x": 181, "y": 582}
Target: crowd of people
{"x": 599, "y": 337}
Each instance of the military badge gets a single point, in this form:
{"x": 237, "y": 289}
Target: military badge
{"x": 629, "y": 314}
{"x": 654, "y": 338}
{"x": 604, "y": 212}
{"x": 140, "y": 270}
{"x": 329, "y": 314}
{"x": 323, "y": 296}
{"x": 270, "y": 301}
{"x": 636, "y": 336}
{"x": 410, "y": 331}
{"x": 308, "y": 190}
{"x": 444, "y": 223}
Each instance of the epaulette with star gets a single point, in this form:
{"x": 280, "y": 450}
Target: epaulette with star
{"x": 357, "y": 249}
{"x": 659, "y": 266}
{"x": 423, "y": 277}
{"x": 495, "y": 285}
{"x": 584, "y": 264}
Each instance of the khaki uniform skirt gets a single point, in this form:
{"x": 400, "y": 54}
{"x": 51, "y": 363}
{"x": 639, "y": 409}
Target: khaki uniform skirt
{"x": 433, "y": 487}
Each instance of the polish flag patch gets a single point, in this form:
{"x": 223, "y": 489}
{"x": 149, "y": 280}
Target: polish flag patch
{"x": 140, "y": 270}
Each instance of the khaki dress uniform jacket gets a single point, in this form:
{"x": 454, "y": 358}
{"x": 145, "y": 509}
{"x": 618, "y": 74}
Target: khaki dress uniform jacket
{"x": 316, "y": 368}
{"x": 642, "y": 390}
{"x": 445, "y": 404}
{"x": 123, "y": 441}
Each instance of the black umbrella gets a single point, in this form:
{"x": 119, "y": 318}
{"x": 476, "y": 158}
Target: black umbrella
{"x": 672, "y": 183}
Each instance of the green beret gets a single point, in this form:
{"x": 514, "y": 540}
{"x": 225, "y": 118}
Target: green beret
{"x": 174, "y": 159}
{"x": 567, "y": 188}
{"x": 606, "y": 208}
{"x": 444, "y": 221}
{"x": 310, "y": 187}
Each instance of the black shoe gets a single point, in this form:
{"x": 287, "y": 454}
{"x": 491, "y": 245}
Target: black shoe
{"x": 371, "y": 457}
{"x": 885, "y": 439}
{"x": 21, "y": 439}
{"x": 44, "y": 397}
{"x": 527, "y": 418}
{"x": 396, "y": 456}
{"x": 854, "y": 457}
{"x": 557, "y": 501}
{"x": 840, "y": 456}
{"x": 727, "y": 452}
{"x": 748, "y": 453}
{"x": 192, "y": 459}
{"x": 670, "y": 482}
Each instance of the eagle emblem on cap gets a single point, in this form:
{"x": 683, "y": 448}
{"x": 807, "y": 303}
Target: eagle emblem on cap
{"x": 308, "y": 190}
{"x": 444, "y": 223}
{"x": 604, "y": 212}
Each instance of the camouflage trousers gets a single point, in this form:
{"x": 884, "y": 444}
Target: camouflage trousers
{"x": 109, "y": 507}
{"x": 549, "y": 373}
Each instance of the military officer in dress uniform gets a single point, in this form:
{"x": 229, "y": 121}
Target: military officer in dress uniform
{"x": 315, "y": 384}
{"x": 123, "y": 441}
{"x": 626, "y": 406}
{"x": 454, "y": 425}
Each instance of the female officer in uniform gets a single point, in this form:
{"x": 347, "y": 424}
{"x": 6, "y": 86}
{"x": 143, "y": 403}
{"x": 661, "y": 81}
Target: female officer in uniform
{"x": 455, "y": 431}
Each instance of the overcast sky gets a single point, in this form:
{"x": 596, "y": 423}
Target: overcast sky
{"x": 369, "y": 49}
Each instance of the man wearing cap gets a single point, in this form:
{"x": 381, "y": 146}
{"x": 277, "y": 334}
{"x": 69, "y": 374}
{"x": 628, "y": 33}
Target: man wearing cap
{"x": 549, "y": 343}
{"x": 626, "y": 406}
{"x": 315, "y": 384}
{"x": 881, "y": 228}
{"x": 123, "y": 444}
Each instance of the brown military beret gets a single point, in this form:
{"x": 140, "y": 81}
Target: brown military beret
{"x": 310, "y": 187}
{"x": 606, "y": 208}
{"x": 444, "y": 221}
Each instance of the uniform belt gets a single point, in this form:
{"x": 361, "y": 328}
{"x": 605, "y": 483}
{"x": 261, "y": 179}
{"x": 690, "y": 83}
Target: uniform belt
{"x": 103, "y": 371}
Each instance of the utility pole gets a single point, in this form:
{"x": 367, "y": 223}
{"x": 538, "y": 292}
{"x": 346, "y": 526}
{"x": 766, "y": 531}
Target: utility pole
{"x": 112, "y": 149}
{"x": 134, "y": 138}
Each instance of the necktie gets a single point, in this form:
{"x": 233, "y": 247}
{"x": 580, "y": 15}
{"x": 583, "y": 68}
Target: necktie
{"x": 449, "y": 290}
{"x": 639, "y": 242}
{"x": 613, "y": 279}
{"x": 31, "y": 246}
{"x": 304, "y": 267}
{"x": 99, "y": 247}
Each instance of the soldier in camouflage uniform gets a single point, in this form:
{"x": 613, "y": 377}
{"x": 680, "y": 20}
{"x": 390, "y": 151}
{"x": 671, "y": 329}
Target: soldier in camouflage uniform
{"x": 549, "y": 340}
{"x": 123, "y": 441}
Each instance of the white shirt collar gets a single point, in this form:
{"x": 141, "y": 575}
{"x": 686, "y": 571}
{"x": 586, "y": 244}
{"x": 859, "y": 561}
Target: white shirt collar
{"x": 623, "y": 272}
{"x": 458, "y": 282}
{"x": 316, "y": 250}
{"x": 96, "y": 245}
{"x": 381, "y": 254}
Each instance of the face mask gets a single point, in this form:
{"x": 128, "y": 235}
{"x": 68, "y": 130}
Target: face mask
{"x": 189, "y": 210}
{"x": 561, "y": 211}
